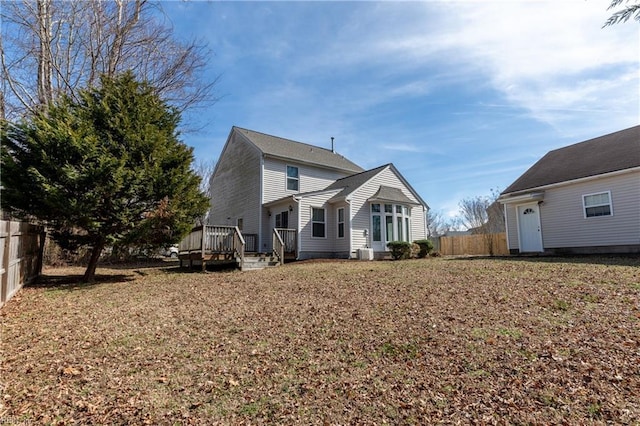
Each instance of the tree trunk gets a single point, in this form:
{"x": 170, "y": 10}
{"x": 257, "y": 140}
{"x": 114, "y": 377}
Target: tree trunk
{"x": 90, "y": 273}
{"x": 59, "y": 47}
{"x": 45, "y": 92}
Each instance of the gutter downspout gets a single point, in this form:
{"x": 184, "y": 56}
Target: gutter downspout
{"x": 425, "y": 212}
{"x": 348, "y": 201}
{"x": 260, "y": 230}
{"x": 299, "y": 236}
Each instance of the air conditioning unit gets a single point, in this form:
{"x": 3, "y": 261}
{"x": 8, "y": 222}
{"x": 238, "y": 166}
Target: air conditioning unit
{"x": 365, "y": 254}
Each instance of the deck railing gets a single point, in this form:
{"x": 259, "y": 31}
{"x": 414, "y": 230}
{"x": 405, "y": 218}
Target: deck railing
{"x": 238, "y": 245}
{"x": 192, "y": 242}
{"x": 213, "y": 239}
{"x": 278, "y": 246}
{"x": 289, "y": 239}
{"x": 250, "y": 242}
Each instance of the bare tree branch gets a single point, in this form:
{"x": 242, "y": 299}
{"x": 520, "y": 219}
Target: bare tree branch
{"x": 205, "y": 169}
{"x": 483, "y": 215}
{"x": 56, "y": 47}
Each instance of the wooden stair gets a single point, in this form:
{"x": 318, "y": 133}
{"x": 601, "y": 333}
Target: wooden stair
{"x": 257, "y": 261}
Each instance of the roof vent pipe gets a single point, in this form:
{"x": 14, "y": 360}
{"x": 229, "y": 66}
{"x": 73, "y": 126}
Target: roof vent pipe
{"x": 332, "y": 148}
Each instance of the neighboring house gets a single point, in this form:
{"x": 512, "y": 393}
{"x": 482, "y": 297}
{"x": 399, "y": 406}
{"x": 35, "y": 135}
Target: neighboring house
{"x": 583, "y": 198}
{"x": 330, "y": 206}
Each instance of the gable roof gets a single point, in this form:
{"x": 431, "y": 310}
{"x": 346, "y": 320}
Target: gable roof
{"x": 287, "y": 149}
{"x": 604, "y": 154}
{"x": 351, "y": 183}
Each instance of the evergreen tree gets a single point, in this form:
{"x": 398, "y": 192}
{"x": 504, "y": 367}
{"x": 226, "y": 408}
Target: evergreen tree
{"x": 106, "y": 168}
{"x": 627, "y": 12}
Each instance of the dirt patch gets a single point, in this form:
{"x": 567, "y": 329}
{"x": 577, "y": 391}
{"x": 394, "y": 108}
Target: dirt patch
{"x": 483, "y": 341}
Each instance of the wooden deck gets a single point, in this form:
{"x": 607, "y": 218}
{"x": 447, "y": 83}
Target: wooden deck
{"x": 213, "y": 244}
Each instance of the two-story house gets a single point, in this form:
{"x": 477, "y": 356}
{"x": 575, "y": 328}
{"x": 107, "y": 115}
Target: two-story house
{"x": 324, "y": 205}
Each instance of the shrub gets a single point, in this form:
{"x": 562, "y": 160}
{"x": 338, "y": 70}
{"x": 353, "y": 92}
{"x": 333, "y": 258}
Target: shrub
{"x": 400, "y": 249}
{"x": 415, "y": 250}
{"x": 56, "y": 256}
{"x": 426, "y": 247}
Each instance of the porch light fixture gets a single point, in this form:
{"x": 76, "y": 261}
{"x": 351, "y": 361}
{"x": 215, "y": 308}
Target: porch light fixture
{"x": 269, "y": 213}
{"x": 290, "y": 208}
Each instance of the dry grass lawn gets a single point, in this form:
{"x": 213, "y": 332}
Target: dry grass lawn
{"x": 454, "y": 341}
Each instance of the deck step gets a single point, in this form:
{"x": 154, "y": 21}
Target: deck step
{"x": 252, "y": 263}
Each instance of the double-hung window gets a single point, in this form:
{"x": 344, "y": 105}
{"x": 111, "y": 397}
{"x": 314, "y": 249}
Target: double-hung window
{"x": 318, "y": 223}
{"x": 597, "y": 204}
{"x": 293, "y": 178}
{"x": 341, "y": 222}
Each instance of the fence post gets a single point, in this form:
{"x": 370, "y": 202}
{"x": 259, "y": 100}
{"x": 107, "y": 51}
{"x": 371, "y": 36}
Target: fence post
{"x": 203, "y": 242}
{"x": 43, "y": 239}
{"x": 6, "y": 256}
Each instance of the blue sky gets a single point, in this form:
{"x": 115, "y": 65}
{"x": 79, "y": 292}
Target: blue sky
{"x": 461, "y": 96}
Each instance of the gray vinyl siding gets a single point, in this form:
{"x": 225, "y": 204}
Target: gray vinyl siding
{"x": 310, "y": 178}
{"x": 512, "y": 227}
{"x": 562, "y": 214}
{"x": 311, "y": 244}
{"x": 361, "y": 212}
{"x": 266, "y": 237}
{"x": 341, "y": 244}
{"x": 418, "y": 223}
{"x": 235, "y": 186}
{"x": 269, "y": 222}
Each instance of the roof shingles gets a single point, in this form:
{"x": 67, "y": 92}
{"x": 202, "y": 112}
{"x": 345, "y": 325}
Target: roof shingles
{"x": 605, "y": 154}
{"x": 287, "y": 149}
{"x": 353, "y": 182}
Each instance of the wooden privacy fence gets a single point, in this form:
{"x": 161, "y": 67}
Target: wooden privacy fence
{"x": 474, "y": 245}
{"x": 21, "y": 250}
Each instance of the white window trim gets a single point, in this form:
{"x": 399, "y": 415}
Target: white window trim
{"x": 338, "y": 223}
{"x": 396, "y": 217}
{"x": 584, "y": 205}
{"x": 286, "y": 178}
{"x": 324, "y": 223}
{"x": 407, "y": 223}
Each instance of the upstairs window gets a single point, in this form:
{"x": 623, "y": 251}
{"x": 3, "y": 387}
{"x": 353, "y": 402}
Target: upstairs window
{"x": 293, "y": 179}
{"x": 597, "y": 204}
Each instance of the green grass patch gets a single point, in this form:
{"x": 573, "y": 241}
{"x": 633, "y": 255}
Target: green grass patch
{"x": 561, "y": 305}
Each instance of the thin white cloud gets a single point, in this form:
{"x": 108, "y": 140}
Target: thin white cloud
{"x": 551, "y": 58}
{"x": 548, "y": 57}
{"x": 402, "y": 147}
{"x": 442, "y": 89}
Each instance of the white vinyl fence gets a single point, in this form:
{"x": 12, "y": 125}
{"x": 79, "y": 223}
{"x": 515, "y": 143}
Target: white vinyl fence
{"x": 21, "y": 249}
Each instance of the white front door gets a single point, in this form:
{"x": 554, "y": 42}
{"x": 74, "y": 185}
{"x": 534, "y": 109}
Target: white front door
{"x": 529, "y": 228}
